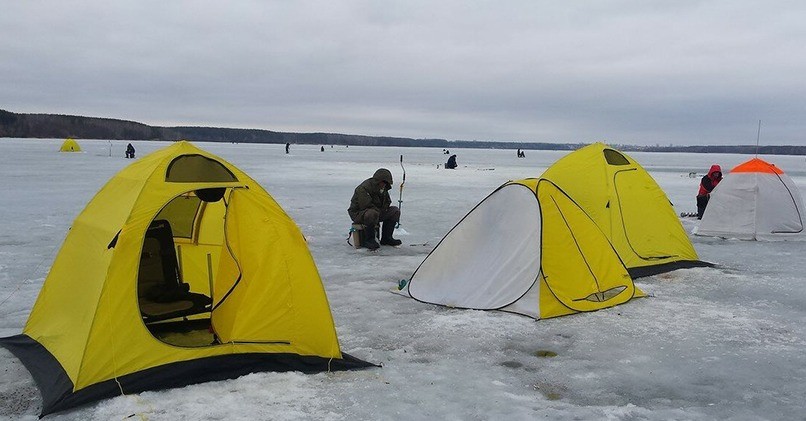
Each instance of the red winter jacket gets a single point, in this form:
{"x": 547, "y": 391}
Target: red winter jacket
{"x": 711, "y": 180}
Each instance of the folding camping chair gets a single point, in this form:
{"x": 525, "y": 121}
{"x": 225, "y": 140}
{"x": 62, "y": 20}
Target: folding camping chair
{"x": 160, "y": 291}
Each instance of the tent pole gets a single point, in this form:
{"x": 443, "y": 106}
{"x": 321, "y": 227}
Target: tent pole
{"x": 210, "y": 273}
{"x": 758, "y": 136}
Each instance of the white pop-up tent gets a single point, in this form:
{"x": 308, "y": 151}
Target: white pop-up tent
{"x": 527, "y": 248}
{"x": 755, "y": 201}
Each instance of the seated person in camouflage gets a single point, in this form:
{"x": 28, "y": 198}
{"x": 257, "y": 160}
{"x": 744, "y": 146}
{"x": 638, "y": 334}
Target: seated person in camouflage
{"x": 370, "y": 205}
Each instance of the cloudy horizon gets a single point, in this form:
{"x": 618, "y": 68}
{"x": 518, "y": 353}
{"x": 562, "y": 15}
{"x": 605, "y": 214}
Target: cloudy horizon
{"x": 627, "y": 72}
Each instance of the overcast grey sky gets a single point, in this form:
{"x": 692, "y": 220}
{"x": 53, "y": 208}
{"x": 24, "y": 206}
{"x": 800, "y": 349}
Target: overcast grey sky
{"x": 636, "y": 72}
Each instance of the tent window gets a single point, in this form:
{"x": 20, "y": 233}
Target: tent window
{"x": 614, "y": 158}
{"x": 197, "y": 168}
{"x": 600, "y": 297}
{"x": 181, "y": 212}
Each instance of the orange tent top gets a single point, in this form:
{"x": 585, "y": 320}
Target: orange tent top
{"x": 757, "y": 165}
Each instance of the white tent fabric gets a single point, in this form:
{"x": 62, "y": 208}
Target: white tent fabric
{"x": 529, "y": 304}
{"x": 755, "y": 206}
{"x": 481, "y": 248}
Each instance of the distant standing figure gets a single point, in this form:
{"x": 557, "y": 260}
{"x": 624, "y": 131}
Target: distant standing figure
{"x": 707, "y": 184}
{"x": 322, "y": 149}
{"x": 287, "y": 147}
{"x": 371, "y": 205}
{"x": 451, "y": 164}
{"x": 129, "y": 151}
{"x": 519, "y": 153}
{"x": 523, "y": 154}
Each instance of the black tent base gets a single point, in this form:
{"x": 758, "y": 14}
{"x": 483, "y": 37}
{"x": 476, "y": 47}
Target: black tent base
{"x": 643, "y": 271}
{"x": 57, "y": 392}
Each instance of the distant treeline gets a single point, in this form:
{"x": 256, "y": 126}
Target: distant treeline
{"x": 62, "y": 126}
{"x": 739, "y": 149}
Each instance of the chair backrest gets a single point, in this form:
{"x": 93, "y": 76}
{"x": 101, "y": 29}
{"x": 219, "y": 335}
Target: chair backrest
{"x": 159, "y": 271}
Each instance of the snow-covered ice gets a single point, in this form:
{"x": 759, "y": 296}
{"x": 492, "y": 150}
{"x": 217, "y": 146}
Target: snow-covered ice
{"x": 710, "y": 343}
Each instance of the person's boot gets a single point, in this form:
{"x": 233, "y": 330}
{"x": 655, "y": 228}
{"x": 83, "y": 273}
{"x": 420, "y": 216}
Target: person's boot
{"x": 368, "y": 239}
{"x": 386, "y": 234}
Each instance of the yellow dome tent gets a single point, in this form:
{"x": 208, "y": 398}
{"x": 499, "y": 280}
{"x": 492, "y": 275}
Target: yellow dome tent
{"x": 527, "y": 248}
{"x": 181, "y": 269}
{"x": 70, "y": 145}
{"x": 629, "y": 207}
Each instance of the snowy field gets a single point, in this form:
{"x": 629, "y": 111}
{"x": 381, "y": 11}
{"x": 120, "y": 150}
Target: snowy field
{"x": 709, "y": 343}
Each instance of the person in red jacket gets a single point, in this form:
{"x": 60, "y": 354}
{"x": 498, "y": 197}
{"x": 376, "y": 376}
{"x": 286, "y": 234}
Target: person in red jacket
{"x": 706, "y": 186}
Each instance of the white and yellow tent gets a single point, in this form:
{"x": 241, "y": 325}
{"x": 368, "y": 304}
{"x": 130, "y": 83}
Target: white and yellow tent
{"x": 755, "y": 201}
{"x": 70, "y": 145}
{"x": 629, "y": 207}
{"x": 529, "y": 249}
{"x": 181, "y": 269}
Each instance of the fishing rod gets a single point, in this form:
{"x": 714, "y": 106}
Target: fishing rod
{"x": 400, "y": 198}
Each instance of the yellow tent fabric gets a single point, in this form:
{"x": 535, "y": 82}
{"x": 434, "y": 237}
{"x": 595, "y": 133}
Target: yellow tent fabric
{"x": 628, "y": 206}
{"x": 579, "y": 265}
{"x": 529, "y": 249}
{"x": 70, "y": 145}
{"x": 243, "y": 252}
